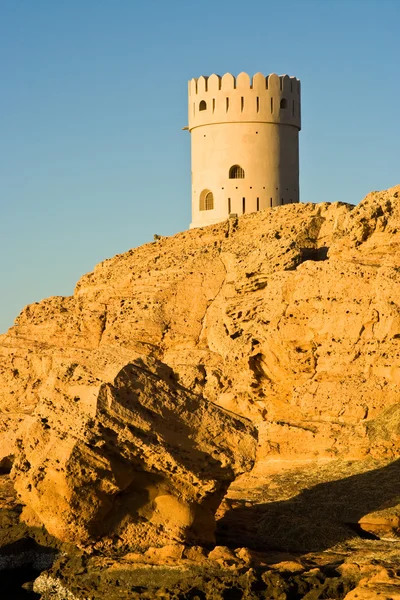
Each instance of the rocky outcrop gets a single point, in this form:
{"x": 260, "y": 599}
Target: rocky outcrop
{"x": 368, "y": 566}
{"x": 290, "y": 317}
{"x": 178, "y": 572}
{"x": 138, "y": 462}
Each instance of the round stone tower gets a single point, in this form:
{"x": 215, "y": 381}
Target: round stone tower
{"x": 244, "y": 136}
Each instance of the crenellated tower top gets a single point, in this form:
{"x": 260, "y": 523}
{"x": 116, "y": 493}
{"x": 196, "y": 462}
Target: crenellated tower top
{"x": 261, "y": 99}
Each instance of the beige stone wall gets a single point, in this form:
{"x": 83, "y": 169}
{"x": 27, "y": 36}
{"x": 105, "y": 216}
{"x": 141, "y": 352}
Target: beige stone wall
{"x": 253, "y": 124}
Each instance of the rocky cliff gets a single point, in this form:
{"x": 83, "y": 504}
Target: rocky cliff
{"x": 287, "y": 321}
{"x": 289, "y": 317}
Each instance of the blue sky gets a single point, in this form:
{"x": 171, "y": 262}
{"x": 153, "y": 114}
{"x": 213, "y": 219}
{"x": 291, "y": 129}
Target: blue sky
{"x": 93, "y": 159}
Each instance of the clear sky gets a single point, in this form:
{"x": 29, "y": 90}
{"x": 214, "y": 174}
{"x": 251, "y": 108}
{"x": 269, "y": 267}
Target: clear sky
{"x": 93, "y": 98}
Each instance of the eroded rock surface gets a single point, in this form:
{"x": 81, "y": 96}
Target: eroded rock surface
{"x": 138, "y": 462}
{"x": 290, "y": 317}
{"x": 222, "y": 574}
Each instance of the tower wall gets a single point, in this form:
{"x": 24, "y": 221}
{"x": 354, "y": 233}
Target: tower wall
{"x": 252, "y": 124}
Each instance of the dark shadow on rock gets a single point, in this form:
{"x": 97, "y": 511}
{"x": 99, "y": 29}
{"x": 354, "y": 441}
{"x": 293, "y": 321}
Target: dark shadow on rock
{"x": 13, "y": 583}
{"x": 317, "y": 518}
{"x": 26, "y": 552}
{"x": 21, "y": 562}
{"x": 6, "y": 464}
{"x": 169, "y": 424}
{"x": 315, "y": 254}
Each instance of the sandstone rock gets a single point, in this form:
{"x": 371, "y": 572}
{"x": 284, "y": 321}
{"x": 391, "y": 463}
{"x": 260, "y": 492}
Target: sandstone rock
{"x": 196, "y": 554}
{"x": 114, "y": 581}
{"x": 160, "y": 572}
{"x": 291, "y": 319}
{"x": 384, "y": 584}
{"x": 289, "y": 566}
{"x": 382, "y": 523}
{"x": 389, "y": 592}
{"x": 223, "y": 556}
{"x": 164, "y": 555}
{"x": 139, "y": 462}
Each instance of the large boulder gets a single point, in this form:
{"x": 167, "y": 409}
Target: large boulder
{"x": 137, "y": 462}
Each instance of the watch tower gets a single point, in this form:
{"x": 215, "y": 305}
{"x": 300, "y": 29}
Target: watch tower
{"x": 244, "y": 144}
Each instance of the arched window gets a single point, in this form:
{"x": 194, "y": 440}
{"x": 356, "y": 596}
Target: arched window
{"x": 203, "y": 105}
{"x": 206, "y": 200}
{"x": 236, "y": 172}
{"x": 209, "y": 201}
{"x": 283, "y": 103}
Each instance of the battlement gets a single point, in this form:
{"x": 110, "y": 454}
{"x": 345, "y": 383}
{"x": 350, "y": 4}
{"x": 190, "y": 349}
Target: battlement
{"x": 228, "y": 99}
{"x": 243, "y": 81}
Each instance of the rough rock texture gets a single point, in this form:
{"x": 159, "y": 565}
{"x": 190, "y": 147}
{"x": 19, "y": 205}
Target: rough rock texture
{"x": 221, "y": 575}
{"x": 224, "y": 574}
{"x": 371, "y": 567}
{"x": 290, "y": 316}
{"x": 141, "y": 460}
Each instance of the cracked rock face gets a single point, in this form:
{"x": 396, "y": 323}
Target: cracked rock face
{"x": 290, "y": 317}
{"x": 137, "y": 462}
